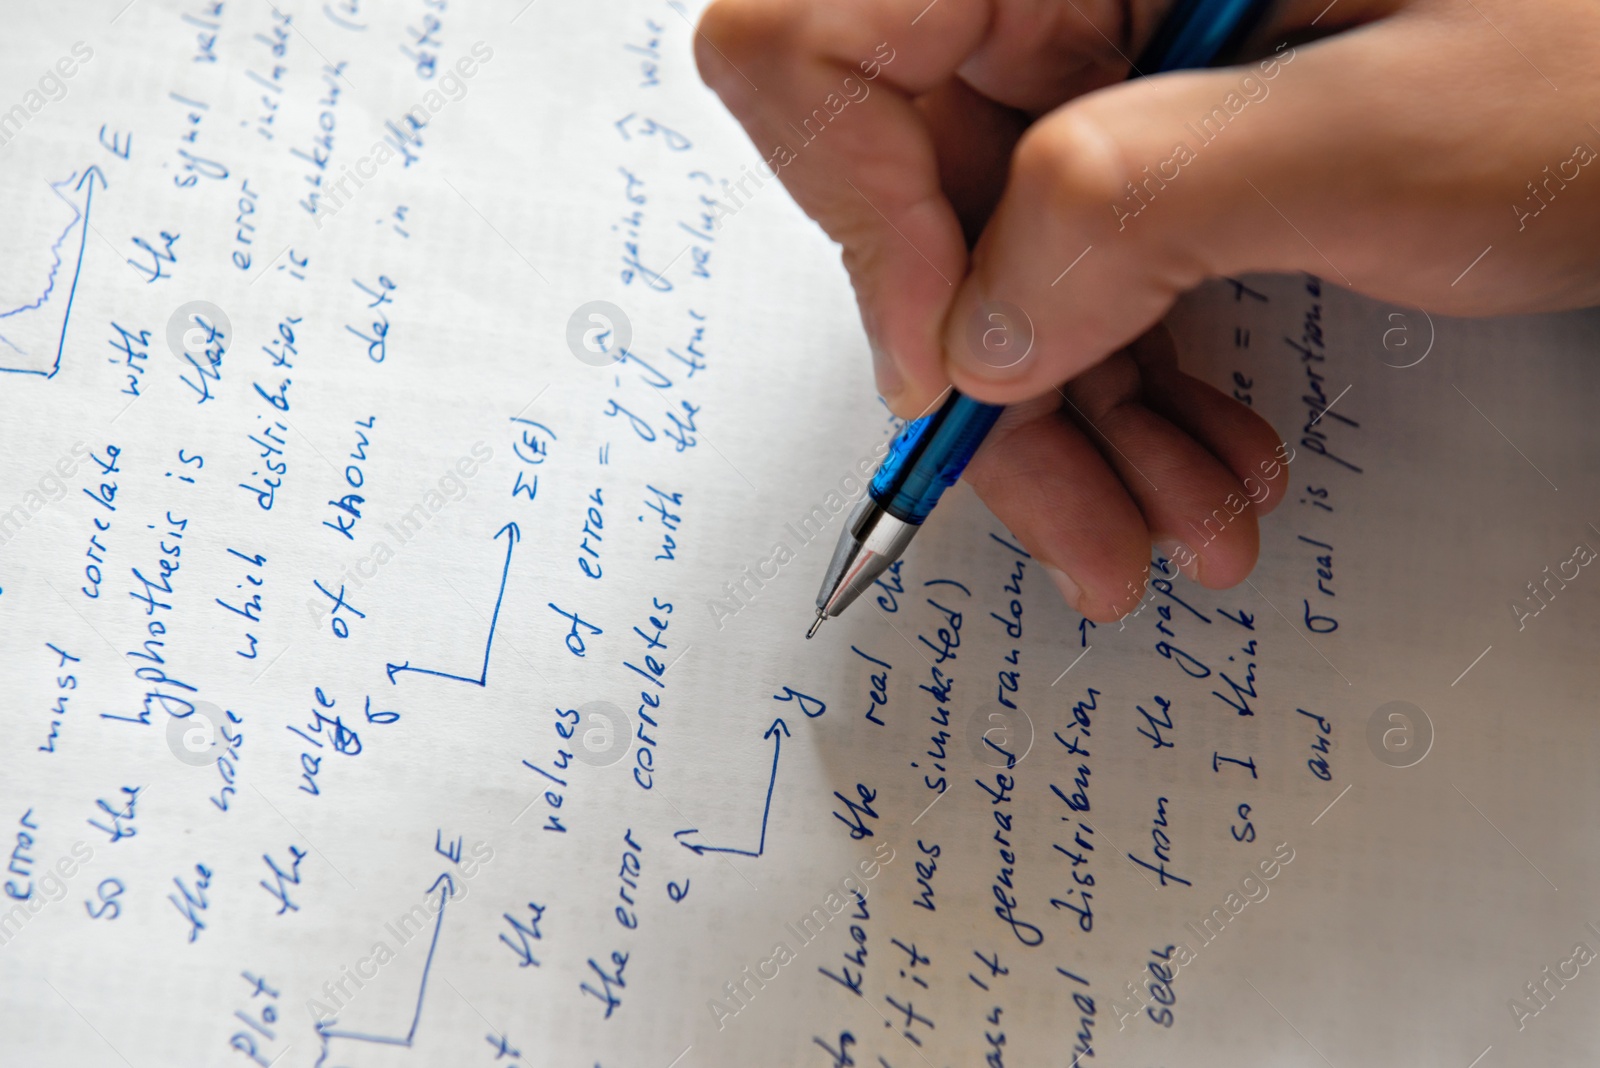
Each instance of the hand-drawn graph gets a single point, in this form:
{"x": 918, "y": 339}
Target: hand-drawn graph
{"x": 328, "y": 1031}
{"x": 777, "y": 732}
{"x": 513, "y": 535}
{"x": 34, "y": 318}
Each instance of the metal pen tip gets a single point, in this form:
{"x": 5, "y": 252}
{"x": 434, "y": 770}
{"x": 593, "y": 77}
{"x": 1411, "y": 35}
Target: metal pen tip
{"x": 816, "y": 624}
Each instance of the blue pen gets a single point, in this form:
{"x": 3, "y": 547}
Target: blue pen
{"x": 928, "y": 455}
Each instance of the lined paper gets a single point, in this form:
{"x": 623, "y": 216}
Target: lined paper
{"x": 424, "y": 431}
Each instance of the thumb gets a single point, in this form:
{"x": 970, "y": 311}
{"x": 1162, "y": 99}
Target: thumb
{"x": 1323, "y": 158}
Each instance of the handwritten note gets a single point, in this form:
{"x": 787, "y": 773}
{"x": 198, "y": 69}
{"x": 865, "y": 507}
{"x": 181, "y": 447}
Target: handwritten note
{"x": 424, "y": 428}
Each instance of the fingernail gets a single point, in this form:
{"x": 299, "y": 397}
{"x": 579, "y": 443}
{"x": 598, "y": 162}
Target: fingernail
{"x": 1069, "y": 589}
{"x": 1181, "y": 555}
{"x": 887, "y": 373}
{"x": 997, "y": 340}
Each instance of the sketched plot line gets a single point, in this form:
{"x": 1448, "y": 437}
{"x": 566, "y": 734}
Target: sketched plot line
{"x": 55, "y": 268}
{"x": 45, "y": 303}
{"x": 327, "y": 1030}
{"x": 514, "y": 535}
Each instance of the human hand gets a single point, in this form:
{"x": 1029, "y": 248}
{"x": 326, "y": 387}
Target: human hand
{"x": 1386, "y": 158}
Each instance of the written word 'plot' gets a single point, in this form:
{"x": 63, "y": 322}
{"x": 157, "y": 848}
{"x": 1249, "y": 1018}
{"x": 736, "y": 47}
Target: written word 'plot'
{"x": 339, "y": 1044}
{"x": 513, "y": 535}
{"x": 777, "y": 732}
{"x": 36, "y": 303}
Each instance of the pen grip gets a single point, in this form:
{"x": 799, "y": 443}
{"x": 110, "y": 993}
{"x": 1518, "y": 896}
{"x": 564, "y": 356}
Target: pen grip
{"x": 929, "y": 454}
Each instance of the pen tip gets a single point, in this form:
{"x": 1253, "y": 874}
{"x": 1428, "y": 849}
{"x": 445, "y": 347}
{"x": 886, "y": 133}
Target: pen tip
{"x": 816, "y": 624}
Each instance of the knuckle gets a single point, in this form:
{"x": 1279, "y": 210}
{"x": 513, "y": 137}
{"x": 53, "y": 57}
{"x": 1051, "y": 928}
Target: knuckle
{"x": 1069, "y": 164}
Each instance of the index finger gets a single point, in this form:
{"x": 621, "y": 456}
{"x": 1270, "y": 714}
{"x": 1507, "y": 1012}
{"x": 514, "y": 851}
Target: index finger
{"x": 824, "y": 89}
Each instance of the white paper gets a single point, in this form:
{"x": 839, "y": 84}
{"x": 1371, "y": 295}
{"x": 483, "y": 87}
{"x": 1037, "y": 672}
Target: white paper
{"x": 621, "y": 858}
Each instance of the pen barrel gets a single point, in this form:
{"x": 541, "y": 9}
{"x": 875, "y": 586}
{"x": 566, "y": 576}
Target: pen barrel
{"x": 929, "y": 454}
{"x": 1197, "y": 33}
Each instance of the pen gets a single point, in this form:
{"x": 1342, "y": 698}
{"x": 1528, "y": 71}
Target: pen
{"x": 929, "y": 454}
